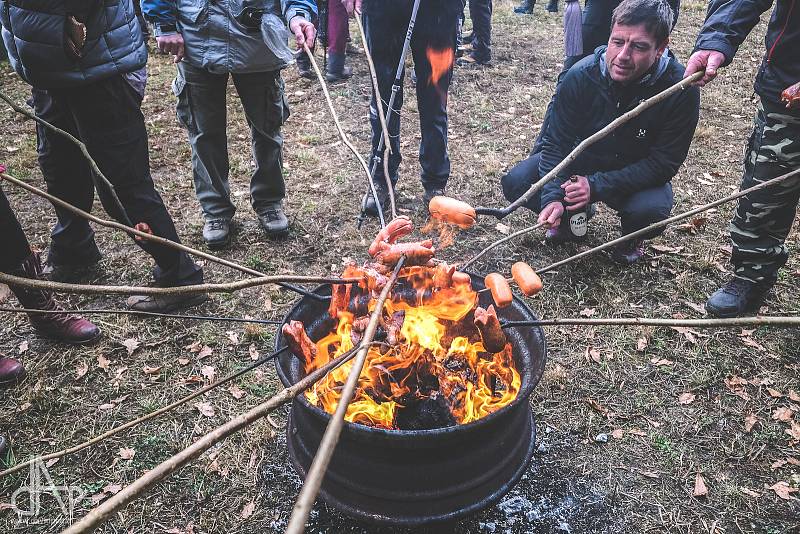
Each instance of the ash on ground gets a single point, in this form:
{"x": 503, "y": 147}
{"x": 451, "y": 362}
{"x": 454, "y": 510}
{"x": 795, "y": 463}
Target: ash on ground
{"x": 550, "y": 498}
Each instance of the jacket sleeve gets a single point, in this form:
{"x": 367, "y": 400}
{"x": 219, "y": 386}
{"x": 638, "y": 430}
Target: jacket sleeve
{"x": 562, "y": 134}
{"x": 303, "y": 8}
{"x": 728, "y": 22}
{"x": 163, "y": 11}
{"x": 663, "y": 159}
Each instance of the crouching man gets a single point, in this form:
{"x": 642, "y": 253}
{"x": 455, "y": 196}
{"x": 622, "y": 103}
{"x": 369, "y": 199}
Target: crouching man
{"x": 631, "y": 169}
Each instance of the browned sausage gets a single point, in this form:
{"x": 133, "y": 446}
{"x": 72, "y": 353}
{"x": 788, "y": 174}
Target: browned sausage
{"x": 452, "y": 211}
{"x": 340, "y": 299}
{"x": 492, "y": 335}
{"x": 443, "y": 276}
{"x": 299, "y": 342}
{"x": 417, "y": 253}
{"x": 526, "y": 278}
{"x": 460, "y": 278}
{"x": 397, "y": 228}
{"x": 501, "y": 291}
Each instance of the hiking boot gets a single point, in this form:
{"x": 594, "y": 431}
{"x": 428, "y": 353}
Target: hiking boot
{"x": 558, "y": 235}
{"x": 61, "y": 326}
{"x": 217, "y": 232}
{"x": 334, "y": 76}
{"x": 165, "y": 303}
{"x": 370, "y": 208}
{"x": 472, "y": 59}
{"x": 430, "y": 193}
{"x": 71, "y": 272}
{"x": 737, "y": 297}
{"x": 273, "y": 220}
{"x": 525, "y": 7}
{"x": 304, "y": 68}
{"x": 552, "y": 6}
{"x": 628, "y": 252}
{"x": 11, "y": 373}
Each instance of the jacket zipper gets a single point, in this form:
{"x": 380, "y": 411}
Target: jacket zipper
{"x": 783, "y": 30}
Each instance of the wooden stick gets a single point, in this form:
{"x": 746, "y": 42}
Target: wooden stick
{"x": 143, "y": 235}
{"x": 381, "y": 115}
{"x": 104, "y": 511}
{"x": 92, "y": 311}
{"x": 336, "y": 122}
{"x": 583, "y": 145}
{"x": 313, "y": 481}
{"x": 760, "y": 320}
{"x": 509, "y": 237}
{"x": 228, "y": 287}
{"x": 82, "y": 147}
{"x": 130, "y": 424}
{"x": 671, "y": 220}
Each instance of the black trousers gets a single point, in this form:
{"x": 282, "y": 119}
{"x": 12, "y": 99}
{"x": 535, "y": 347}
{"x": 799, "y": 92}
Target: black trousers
{"x": 635, "y": 211}
{"x": 106, "y": 116}
{"x": 13, "y": 242}
{"x": 385, "y": 25}
{"x": 480, "y": 11}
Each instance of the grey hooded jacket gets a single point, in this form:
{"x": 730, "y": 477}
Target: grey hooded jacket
{"x": 34, "y": 35}
{"x": 214, "y": 40}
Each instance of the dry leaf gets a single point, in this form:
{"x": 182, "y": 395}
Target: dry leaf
{"x": 793, "y": 461}
{"x": 194, "y": 347}
{"x": 183, "y": 361}
{"x": 587, "y": 312}
{"x": 113, "y": 489}
{"x": 106, "y": 406}
{"x": 751, "y": 493}
{"x": 204, "y": 352}
{"x": 783, "y": 414}
{"x": 650, "y": 474}
{"x": 205, "y": 408}
{"x": 699, "y": 308}
{"x": 131, "y": 344}
{"x": 794, "y": 396}
{"x": 22, "y": 348}
{"x": 617, "y": 433}
{"x": 665, "y": 249}
{"x": 794, "y": 431}
{"x": 700, "y": 488}
{"x": 103, "y": 363}
{"x": 248, "y": 509}
{"x": 81, "y": 369}
{"x": 641, "y": 344}
{"x": 778, "y": 464}
{"x": 152, "y": 370}
{"x": 782, "y": 490}
{"x": 503, "y": 228}
{"x": 253, "y": 351}
{"x": 233, "y": 336}
{"x": 236, "y": 392}
{"x": 637, "y": 432}
{"x": 750, "y": 342}
{"x": 774, "y": 393}
{"x": 600, "y": 408}
{"x": 120, "y": 400}
{"x": 686, "y": 398}
{"x": 693, "y": 226}
{"x": 688, "y": 333}
{"x": 126, "y": 453}
{"x": 750, "y": 421}
{"x": 593, "y": 354}
{"x": 208, "y": 371}
{"x": 661, "y": 361}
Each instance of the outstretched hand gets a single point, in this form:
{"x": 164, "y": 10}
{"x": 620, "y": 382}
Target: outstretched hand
{"x": 707, "y": 61}
{"x": 304, "y": 32}
{"x": 171, "y": 44}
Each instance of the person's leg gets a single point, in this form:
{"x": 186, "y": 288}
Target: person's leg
{"x": 525, "y": 7}
{"x": 13, "y": 242}
{"x": 111, "y": 124}
{"x": 201, "y": 109}
{"x": 480, "y": 11}
{"x": 644, "y": 208}
{"x": 262, "y": 96}
{"x": 519, "y": 179}
{"x": 337, "y": 41}
{"x": 68, "y": 177}
{"x": 436, "y": 33}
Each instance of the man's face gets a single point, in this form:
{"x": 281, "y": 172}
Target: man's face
{"x": 632, "y": 50}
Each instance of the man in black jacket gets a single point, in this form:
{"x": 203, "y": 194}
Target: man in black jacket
{"x": 762, "y": 219}
{"x": 631, "y": 169}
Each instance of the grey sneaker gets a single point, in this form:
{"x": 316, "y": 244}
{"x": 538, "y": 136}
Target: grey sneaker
{"x": 165, "y": 303}
{"x": 273, "y": 220}
{"x": 217, "y": 232}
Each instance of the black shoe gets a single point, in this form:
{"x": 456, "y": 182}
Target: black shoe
{"x": 304, "y": 68}
{"x": 342, "y": 75}
{"x": 430, "y": 193}
{"x": 628, "y": 252}
{"x": 737, "y": 297}
{"x": 274, "y": 221}
{"x": 472, "y": 59}
{"x": 370, "y": 208}
{"x": 552, "y": 6}
{"x": 525, "y": 8}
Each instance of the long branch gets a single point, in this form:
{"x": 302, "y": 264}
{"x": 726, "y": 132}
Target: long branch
{"x": 759, "y": 320}
{"x": 500, "y": 241}
{"x": 338, "y": 125}
{"x": 227, "y": 287}
{"x": 139, "y": 313}
{"x": 313, "y": 480}
{"x": 143, "y": 235}
{"x": 665, "y": 222}
{"x": 130, "y": 424}
{"x": 583, "y": 145}
{"x": 104, "y": 511}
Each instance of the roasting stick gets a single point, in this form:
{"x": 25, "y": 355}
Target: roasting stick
{"x": 98, "y": 311}
{"x": 98, "y": 515}
{"x": 228, "y": 287}
{"x": 509, "y": 237}
{"x": 154, "y": 238}
{"x": 313, "y": 481}
{"x": 613, "y": 125}
{"x": 130, "y": 424}
{"x": 759, "y": 320}
{"x": 381, "y": 116}
{"x": 345, "y": 140}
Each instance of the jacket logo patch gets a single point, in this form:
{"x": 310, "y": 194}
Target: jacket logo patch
{"x": 642, "y": 133}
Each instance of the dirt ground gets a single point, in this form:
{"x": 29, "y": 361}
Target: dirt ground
{"x": 629, "y": 418}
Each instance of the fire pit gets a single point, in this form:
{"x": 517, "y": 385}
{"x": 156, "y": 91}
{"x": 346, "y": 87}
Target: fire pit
{"x": 418, "y": 477}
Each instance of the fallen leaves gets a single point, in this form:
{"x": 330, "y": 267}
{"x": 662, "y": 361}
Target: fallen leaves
{"x": 693, "y": 226}
{"x": 201, "y": 351}
{"x": 152, "y": 370}
{"x": 81, "y": 369}
{"x": 690, "y": 335}
{"x": 587, "y": 312}
{"x": 103, "y": 363}
{"x": 208, "y": 372}
{"x": 782, "y": 490}
{"x": 737, "y": 386}
{"x": 248, "y": 509}
{"x": 127, "y": 453}
{"x": 686, "y": 398}
{"x": 794, "y": 431}
{"x": 794, "y": 396}
{"x": 233, "y": 336}
{"x": 205, "y": 408}
{"x": 236, "y": 392}
{"x": 593, "y": 354}
{"x": 617, "y": 433}
{"x": 22, "y": 348}
{"x": 660, "y": 362}
{"x": 596, "y": 406}
{"x": 641, "y": 344}
{"x": 700, "y": 487}
{"x": 253, "y": 351}
{"x": 783, "y": 414}
{"x": 131, "y": 344}
{"x": 750, "y": 421}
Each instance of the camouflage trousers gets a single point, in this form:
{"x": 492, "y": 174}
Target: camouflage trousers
{"x": 763, "y": 218}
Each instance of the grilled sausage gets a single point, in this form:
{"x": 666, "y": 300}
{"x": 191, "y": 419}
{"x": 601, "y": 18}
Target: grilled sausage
{"x": 417, "y": 253}
{"x": 492, "y": 335}
{"x": 526, "y": 278}
{"x": 299, "y": 342}
{"x": 452, "y": 211}
{"x": 443, "y": 276}
{"x": 461, "y": 278}
{"x": 791, "y": 96}
{"x": 501, "y": 291}
{"x": 397, "y": 228}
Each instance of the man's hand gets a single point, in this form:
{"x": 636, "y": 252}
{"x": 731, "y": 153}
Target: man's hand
{"x": 304, "y": 32}
{"x": 791, "y": 96}
{"x": 576, "y": 193}
{"x": 171, "y": 44}
{"x": 551, "y": 214}
{"x": 352, "y": 7}
{"x": 704, "y": 60}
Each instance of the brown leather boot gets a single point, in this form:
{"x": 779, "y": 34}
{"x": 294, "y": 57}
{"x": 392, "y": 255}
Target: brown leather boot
{"x": 11, "y": 372}
{"x": 67, "y": 327}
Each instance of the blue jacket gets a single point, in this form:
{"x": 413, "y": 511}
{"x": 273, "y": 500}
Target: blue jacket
{"x": 33, "y": 33}
{"x": 215, "y": 41}
{"x": 643, "y": 153}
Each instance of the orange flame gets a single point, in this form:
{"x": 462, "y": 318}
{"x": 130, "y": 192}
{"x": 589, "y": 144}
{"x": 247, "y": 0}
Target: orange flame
{"x": 441, "y": 62}
{"x": 436, "y": 344}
